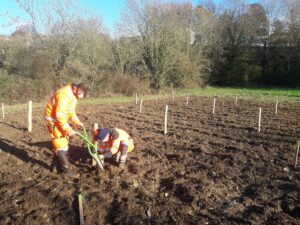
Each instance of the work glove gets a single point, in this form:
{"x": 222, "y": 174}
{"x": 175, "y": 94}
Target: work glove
{"x": 108, "y": 154}
{"x": 101, "y": 158}
{"x": 71, "y": 133}
{"x": 79, "y": 126}
{"x": 103, "y": 150}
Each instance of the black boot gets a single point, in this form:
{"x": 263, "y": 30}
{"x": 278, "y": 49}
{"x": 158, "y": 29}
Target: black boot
{"x": 64, "y": 165}
{"x": 54, "y": 165}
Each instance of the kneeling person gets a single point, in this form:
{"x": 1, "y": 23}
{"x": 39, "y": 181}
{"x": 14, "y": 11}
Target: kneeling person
{"x": 114, "y": 142}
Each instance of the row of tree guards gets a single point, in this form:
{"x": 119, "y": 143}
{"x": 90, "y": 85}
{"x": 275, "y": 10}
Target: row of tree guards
{"x": 141, "y": 107}
{"x": 213, "y": 110}
{"x": 214, "y": 104}
{"x": 165, "y": 118}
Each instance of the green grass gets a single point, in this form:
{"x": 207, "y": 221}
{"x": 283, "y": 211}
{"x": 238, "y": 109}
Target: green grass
{"x": 250, "y": 93}
{"x": 265, "y": 94}
{"x": 261, "y": 94}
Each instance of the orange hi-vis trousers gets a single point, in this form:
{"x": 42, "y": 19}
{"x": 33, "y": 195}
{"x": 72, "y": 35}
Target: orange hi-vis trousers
{"x": 59, "y": 141}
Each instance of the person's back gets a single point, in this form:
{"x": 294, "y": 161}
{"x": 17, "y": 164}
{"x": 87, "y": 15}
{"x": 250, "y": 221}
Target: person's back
{"x": 63, "y": 97}
{"x": 114, "y": 141}
{"x": 118, "y": 136}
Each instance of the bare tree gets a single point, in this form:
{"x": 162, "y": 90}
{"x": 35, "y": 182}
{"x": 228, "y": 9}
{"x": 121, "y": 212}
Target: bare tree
{"x": 204, "y": 26}
{"x": 126, "y": 55}
{"x": 163, "y": 29}
{"x": 52, "y": 22}
{"x": 92, "y": 51}
{"x": 293, "y": 22}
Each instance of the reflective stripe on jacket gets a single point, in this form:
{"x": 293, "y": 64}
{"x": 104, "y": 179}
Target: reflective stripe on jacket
{"x": 61, "y": 108}
{"x": 117, "y": 137}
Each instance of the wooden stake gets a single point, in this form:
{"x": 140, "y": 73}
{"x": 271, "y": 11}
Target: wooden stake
{"x": 236, "y": 100}
{"x": 80, "y": 209}
{"x": 297, "y": 153}
{"x": 166, "y": 120}
{"x": 214, "y": 105}
{"x": 187, "y": 100}
{"x": 136, "y": 99}
{"x": 259, "y": 119}
{"x": 276, "y": 108}
{"x": 3, "y": 112}
{"x": 141, "y": 105}
{"x": 30, "y": 117}
{"x": 95, "y": 142}
{"x": 173, "y": 95}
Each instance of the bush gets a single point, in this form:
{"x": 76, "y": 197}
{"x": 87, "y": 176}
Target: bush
{"x": 14, "y": 89}
{"x": 128, "y": 86}
{"x": 119, "y": 84}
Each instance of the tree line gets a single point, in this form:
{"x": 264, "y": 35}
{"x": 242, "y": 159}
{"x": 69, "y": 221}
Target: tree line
{"x": 157, "y": 45}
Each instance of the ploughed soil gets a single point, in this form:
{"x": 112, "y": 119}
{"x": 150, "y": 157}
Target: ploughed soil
{"x": 208, "y": 169}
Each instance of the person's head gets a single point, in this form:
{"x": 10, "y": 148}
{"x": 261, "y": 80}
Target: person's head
{"x": 83, "y": 90}
{"x": 101, "y": 135}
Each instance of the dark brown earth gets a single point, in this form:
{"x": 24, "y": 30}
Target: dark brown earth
{"x": 209, "y": 169}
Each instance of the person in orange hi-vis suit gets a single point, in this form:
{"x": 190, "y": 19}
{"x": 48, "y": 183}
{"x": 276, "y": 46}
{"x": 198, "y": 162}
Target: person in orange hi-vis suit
{"x": 59, "y": 112}
{"x": 114, "y": 142}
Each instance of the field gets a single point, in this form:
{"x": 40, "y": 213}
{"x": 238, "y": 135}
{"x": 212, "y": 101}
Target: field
{"x": 208, "y": 169}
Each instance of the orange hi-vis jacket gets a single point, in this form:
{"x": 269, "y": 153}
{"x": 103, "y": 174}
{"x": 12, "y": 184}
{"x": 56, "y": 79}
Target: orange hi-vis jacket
{"x": 116, "y": 139}
{"x": 60, "y": 110}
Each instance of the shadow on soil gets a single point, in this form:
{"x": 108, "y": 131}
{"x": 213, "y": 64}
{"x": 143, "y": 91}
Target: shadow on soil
{"x": 76, "y": 153}
{"x": 21, "y": 154}
{"x": 15, "y": 127}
